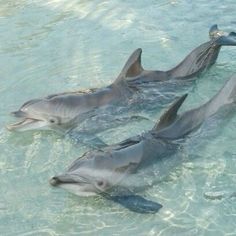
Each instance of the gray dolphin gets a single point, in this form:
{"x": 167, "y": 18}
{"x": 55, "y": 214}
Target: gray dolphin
{"x": 100, "y": 171}
{"x": 66, "y": 110}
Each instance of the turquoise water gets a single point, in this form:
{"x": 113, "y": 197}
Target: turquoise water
{"x": 51, "y": 46}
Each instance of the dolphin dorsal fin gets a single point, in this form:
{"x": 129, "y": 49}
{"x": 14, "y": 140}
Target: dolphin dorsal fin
{"x": 133, "y": 65}
{"x": 170, "y": 115}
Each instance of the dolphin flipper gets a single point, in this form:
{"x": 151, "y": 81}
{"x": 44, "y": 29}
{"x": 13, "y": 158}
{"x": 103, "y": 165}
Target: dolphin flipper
{"x": 136, "y": 203}
{"x": 87, "y": 139}
{"x": 131, "y": 201}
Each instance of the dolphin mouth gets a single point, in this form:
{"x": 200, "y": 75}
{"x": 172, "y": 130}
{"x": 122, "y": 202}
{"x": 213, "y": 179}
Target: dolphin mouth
{"x": 76, "y": 185}
{"x": 26, "y": 124}
{"x": 67, "y": 179}
{"x": 56, "y": 181}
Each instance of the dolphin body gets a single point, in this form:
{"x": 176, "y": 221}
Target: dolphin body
{"x": 65, "y": 111}
{"x": 110, "y": 169}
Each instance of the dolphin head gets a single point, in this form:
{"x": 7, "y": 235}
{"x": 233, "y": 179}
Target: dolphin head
{"x": 90, "y": 174}
{"x": 43, "y": 114}
{"x": 80, "y": 184}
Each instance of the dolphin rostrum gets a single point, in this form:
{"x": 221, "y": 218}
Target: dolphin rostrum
{"x": 65, "y": 111}
{"x": 113, "y": 167}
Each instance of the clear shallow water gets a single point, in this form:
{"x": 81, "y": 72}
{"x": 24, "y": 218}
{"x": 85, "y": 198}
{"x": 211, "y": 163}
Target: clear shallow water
{"x": 53, "y": 46}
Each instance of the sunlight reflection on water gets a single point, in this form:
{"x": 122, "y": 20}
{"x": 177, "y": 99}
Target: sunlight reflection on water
{"x": 58, "y": 45}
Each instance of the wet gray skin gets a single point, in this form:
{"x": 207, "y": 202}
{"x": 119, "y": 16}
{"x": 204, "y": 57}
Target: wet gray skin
{"x": 114, "y": 166}
{"x": 66, "y": 110}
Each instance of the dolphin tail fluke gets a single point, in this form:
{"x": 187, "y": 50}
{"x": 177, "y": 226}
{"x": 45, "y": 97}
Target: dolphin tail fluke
{"x": 220, "y": 38}
{"x": 214, "y": 32}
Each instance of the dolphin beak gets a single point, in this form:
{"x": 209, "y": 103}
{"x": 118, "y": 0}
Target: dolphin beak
{"x": 74, "y": 184}
{"x": 67, "y": 179}
{"x": 54, "y": 181}
{"x": 26, "y": 124}
{"x": 64, "y": 179}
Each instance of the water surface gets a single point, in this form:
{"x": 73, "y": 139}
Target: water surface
{"x": 50, "y": 46}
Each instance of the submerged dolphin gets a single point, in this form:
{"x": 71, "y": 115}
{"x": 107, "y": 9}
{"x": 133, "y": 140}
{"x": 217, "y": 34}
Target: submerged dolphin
{"x": 101, "y": 171}
{"x": 66, "y": 110}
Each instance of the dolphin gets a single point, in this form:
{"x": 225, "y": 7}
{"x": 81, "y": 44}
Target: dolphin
{"x": 65, "y": 111}
{"x": 109, "y": 169}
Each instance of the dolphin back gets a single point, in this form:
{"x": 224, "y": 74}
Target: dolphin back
{"x": 204, "y": 56}
{"x": 225, "y": 96}
{"x": 189, "y": 121}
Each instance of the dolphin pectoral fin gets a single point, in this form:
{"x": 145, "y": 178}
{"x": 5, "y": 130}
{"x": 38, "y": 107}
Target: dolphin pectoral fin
{"x": 131, "y": 201}
{"x": 127, "y": 119}
{"x": 87, "y": 139}
{"x": 135, "y": 203}
{"x": 97, "y": 142}
{"x": 138, "y": 118}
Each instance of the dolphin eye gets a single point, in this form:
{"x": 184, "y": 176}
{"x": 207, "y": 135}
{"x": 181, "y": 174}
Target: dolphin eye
{"x": 100, "y": 183}
{"x": 54, "y": 120}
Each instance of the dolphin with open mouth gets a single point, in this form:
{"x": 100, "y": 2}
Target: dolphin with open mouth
{"x": 65, "y": 111}
{"x": 104, "y": 171}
